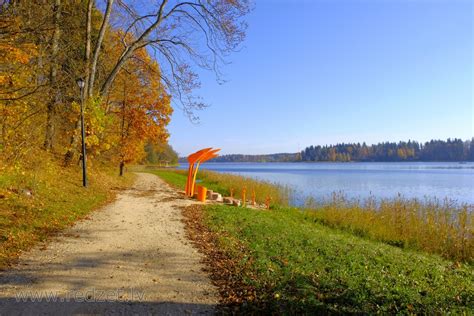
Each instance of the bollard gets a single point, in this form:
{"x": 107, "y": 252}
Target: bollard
{"x": 267, "y": 202}
{"x": 244, "y": 201}
{"x": 253, "y": 197}
{"x": 201, "y": 193}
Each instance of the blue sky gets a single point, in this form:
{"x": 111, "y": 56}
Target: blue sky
{"x": 318, "y": 72}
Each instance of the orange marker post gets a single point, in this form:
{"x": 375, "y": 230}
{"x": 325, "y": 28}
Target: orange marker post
{"x": 232, "y": 193}
{"x": 244, "y": 201}
{"x": 267, "y": 202}
{"x": 202, "y": 191}
{"x": 253, "y": 197}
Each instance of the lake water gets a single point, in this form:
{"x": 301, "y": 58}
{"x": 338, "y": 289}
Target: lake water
{"x": 360, "y": 180}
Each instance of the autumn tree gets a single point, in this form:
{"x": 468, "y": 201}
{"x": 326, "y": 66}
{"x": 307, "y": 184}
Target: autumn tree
{"x": 160, "y": 153}
{"x": 135, "y": 61}
{"x": 181, "y": 35}
{"x": 141, "y": 107}
{"x": 19, "y": 86}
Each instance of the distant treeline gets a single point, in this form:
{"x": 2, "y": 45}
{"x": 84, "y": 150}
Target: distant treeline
{"x": 434, "y": 150}
{"x": 281, "y": 157}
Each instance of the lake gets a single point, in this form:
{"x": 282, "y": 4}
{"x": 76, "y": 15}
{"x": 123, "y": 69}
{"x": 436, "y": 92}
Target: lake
{"x": 360, "y": 180}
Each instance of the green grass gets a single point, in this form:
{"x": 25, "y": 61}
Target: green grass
{"x": 176, "y": 179}
{"x": 224, "y": 183}
{"x": 433, "y": 226}
{"x": 298, "y": 265}
{"x": 58, "y": 200}
{"x": 430, "y": 226}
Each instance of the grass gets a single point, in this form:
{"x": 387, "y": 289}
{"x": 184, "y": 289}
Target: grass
{"x": 57, "y": 200}
{"x": 224, "y": 183}
{"x": 432, "y": 226}
{"x": 343, "y": 257}
{"x": 299, "y": 266}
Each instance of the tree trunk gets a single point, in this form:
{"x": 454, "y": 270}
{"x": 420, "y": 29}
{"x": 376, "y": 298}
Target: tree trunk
{"x": 51, "y": 108}
{"x": 69, "y": 156}
{"x": 98, "y": 45}
{"x": 87, "y": 52}
{"x": 139, "y": 42}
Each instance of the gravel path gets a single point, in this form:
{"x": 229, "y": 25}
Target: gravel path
{"x": 131, "y": 257}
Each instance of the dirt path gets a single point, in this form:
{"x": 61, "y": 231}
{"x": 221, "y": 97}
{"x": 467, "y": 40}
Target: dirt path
{"x": 131, "y": 257}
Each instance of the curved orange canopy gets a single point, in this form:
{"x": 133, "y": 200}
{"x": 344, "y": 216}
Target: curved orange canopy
{"x": 208, "y": 155}
{"x": 193, "y": 157}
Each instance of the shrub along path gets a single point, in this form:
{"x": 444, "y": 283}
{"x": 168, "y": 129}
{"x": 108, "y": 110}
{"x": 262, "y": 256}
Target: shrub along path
{"x": 130, "y": 257}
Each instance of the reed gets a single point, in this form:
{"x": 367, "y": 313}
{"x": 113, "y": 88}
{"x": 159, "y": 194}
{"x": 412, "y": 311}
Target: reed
{"x": 278, "y": 194}
{"x": 430, "y": 225}
{"x": 225, "y": 183}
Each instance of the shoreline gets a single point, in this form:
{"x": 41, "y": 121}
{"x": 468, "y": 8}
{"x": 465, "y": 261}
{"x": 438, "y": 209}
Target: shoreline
{"x": 426, "y": 226}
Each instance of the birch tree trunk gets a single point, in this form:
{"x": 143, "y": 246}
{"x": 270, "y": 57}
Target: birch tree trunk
{"x": 98, "y": 46}
{"x": 87, "y": 52}
{"x": 51, "y": 107}
{"x": 90, "y": 68}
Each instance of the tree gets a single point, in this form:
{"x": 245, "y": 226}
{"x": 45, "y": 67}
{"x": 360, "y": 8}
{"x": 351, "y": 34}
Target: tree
{"x": 434, "y": 150}
{"x": 44, "y": 47}
{"x": 160, "y": 153}
{"x": 55, "y": 93}
{"x": 471, "y": 150}
{"x": 142, "y": 107}
{"x": 18, "y": 87}
{"x": 181, "y": 34}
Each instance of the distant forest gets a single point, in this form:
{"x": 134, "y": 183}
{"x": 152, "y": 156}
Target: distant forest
{"x": 434, "y": 150}
{"x": 282, "y": 157}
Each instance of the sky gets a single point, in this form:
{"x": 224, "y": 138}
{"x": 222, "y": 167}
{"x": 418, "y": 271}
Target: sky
{"x": 316, "y": 72}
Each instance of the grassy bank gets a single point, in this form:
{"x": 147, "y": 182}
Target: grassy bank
{"x": 37, "y": 203}
{"x": 330, "y": 259}
{"x": 225, "y": 183}
{"x": 297, "y": 265}
{"x": 430, "y": 226}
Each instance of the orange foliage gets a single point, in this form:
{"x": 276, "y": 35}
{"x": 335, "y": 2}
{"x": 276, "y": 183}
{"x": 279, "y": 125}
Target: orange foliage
{"x": 142, "y": 106}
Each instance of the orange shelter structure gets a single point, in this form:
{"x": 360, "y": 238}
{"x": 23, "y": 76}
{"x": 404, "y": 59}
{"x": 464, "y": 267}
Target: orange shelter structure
{"x": 197, "y": 158}
{"x": 191, "y": 160}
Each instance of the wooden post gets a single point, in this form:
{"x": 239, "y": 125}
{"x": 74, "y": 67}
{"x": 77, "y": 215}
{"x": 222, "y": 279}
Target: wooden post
{"x": 267, "y": 202}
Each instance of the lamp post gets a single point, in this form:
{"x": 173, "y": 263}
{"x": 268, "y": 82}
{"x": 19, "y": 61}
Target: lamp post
{"x": 80, "y": 83}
